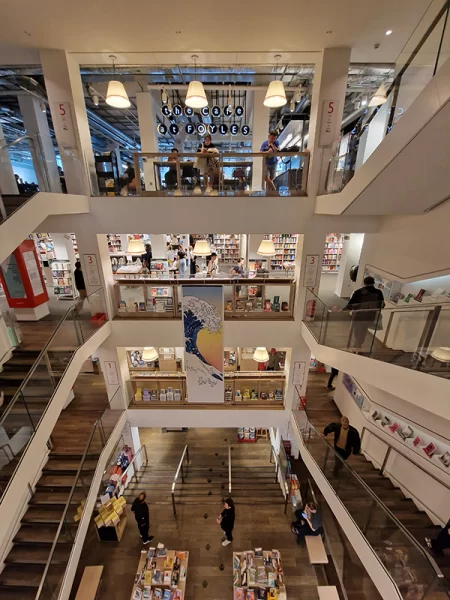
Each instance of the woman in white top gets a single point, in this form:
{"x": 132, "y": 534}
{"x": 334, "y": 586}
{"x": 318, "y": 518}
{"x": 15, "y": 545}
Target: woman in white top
{"x": 213, "y": 265}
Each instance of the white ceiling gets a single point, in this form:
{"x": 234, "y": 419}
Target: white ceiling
{"x": 96, "y": 29}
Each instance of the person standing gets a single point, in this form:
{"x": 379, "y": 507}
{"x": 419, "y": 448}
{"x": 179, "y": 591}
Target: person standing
{"x": 346, "y": 441}
{"x": 80, "y": 285}
{"x": 213, "y": 265}
{"x": 192, "y": 261}
{"x": 237, "y": 271}
{"x": 226, "y": 521}
{"x": 271, "y": 146}
{"x": 147, "y": 257}
{"x": 333, "y": 374}
{"x": 273, "y": 364}
{"x": 142, "y": 516}
{"x": 181, "y": 261}
{"x": 170, "y": 254}
{"x": 365, "y": 304}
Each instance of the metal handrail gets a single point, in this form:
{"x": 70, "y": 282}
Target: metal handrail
{"x": 180, "y": 468}
{"x": 17, "y": 141}
{"x": 229, "y": 470}
{"x": 380, "y": 503}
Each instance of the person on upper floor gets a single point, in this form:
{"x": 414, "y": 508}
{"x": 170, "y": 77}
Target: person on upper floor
{"x": 365, "y": 303}
{"x": 271, "y": 146}
{"x": 147, "y": 257}
{"x": 346, "y": 441}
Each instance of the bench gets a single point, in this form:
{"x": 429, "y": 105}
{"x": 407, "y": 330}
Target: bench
{"x": 316, "y": 550}
{"x": 89, "y": 583}
{"x": 327, "y": 592}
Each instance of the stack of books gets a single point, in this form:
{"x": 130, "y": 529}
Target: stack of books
{"x": 258, "y": 575}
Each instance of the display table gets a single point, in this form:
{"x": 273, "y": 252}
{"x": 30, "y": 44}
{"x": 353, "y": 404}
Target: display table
{"x": 161, "y": 574}
{"x": 111, "y": 520}
{"x": 258, "y": 575}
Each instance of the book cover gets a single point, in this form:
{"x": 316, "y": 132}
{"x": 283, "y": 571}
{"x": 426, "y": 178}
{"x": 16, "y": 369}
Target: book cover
{"x": 406, "y": 433}
{"x": 445, "y": 459}
{"x": 147, "y": 593}
{"x": 251, "y": 576}
{"x": 157, "y": 577}
{"x": 417, "y": 441}
{"x": 167, "y": 595}
{"x": 394, "y": 427}
{"x": 137, "y": 593}
{"x": 430, "y": 449}
{"x": 167, "y": 577}
{"x": 148, "y": 577}
{"x": 250, "y": 595}
{"x": 271, "y": 579}
{"x": 420, "y": 295}
{"x": 236, "y": 561}
{"x": 239, "y": 593}
{"x": 178, "y": 595}
{"x": 157, "y": 593}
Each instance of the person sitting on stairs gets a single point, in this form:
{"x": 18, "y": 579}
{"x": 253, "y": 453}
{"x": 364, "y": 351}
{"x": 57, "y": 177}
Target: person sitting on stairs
{"x": 441, "y": 541}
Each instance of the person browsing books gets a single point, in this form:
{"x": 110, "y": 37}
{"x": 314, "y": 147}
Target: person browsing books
{"x": 142, "y": 516}
{"x": 238, "y": 271}
{"x": 213, "y": 265}
{"x": 346, "y": 441}
{"x": 226, "y": 521}
{"x": 309, "y": 522}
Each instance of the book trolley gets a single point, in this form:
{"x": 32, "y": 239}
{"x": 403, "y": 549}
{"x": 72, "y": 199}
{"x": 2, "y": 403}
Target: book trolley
{"x": 161, "y": 574}
{"x": 258, "y": 575}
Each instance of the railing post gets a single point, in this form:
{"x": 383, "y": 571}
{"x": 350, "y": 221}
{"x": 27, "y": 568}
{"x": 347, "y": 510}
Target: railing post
{"x": 276, "y": 474}
{"x": 182, "y": 473}
{"x": 146, "y": 455}
{"x": 383, "y": 466}
{"x": 187, "y": 454}
{"x": 288, "y": 495}
{"x": 173, "y": 504}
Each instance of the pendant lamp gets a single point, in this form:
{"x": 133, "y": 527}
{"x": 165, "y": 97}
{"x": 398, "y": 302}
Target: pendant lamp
{"x": 201, "y": 248}
{"x": 150, "y": 354}
{"x": 275, "y": 95}
{"x": 441, "y": 354}
{"x": 116, "y": 95}
{"x": 135, "y": 246}
{"x": 266, "y": 248}
{"x": 196, "y": 97}
{"x": 261, "y": 355}
{"x": 380, "y": 96}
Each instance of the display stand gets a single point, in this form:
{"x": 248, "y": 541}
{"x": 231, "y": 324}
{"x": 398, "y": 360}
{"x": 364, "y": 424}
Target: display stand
{"x": 258, "y": 575}
{"x": 161, "y": 575}
{"x": 286, "y": 250}
{"x": 63, "y": 280}
{"x": 111, "y": 520}
{"x": 107, "y": 171}
{"x": 228, "y": 247}
{"x": 333, "y": 252}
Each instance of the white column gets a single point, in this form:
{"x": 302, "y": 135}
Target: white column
{"x": 42, "y": 150}
{"x": 8, "y": 184}
{"x": 260, "y": 130}
{"x": 146, "y": 108}
{"x": 351, "y": 253}
{"x": 110, "y": 364}
{"x": 329, "y": 86}
{"x": 68, "y": 109}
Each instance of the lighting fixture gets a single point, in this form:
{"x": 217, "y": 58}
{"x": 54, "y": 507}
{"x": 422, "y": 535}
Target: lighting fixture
{"x": 380, "y": 96}
{"x": 441, "y": 354}
{"x": 292, "y": 104}
{"x": 357, "y": 104}
{"x": 364, "y": 100}
{"x": 164, "y": 96}
{"x": 388, "y": 32}
{"x": 275, "y": 95}
{"x": 95, "y": 100}
{"x": 202, "y": 248}
{"x": 266, "y": 248}
{"x": 116, "y": 95}
{"x": 261, "y": 355}
{"x": 150, "y": 354}
{"x": 43, "y": 107}
{"x": 196, "y": 97}
{"x": 135, "y": 246}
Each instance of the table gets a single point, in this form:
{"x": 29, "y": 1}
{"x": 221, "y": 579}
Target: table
{"x": 156, "y": 573}
{"x": 256, "y": 570}
{"x": 159, "y": 164}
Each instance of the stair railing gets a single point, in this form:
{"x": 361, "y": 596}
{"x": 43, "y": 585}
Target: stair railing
{"x": 179, "y": 470}
{"x": 229, "y": 470}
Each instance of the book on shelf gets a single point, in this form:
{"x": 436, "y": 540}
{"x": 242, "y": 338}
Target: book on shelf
{"x": 406, "y": 433}
{"x": 157, "y": 577}
{"x": 250, "y": 595}
{"x": 445, "y": 459}
{"x": 430, "y": 449}
{"x": 167, "y": 595}
{"x": 137, "y": 593}
{"x": 239, "y": 593}
{"x": 147, "y": 593}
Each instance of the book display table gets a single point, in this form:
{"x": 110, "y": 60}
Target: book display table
{"x": 111, "y": 520}
{"x": 258, "y": 575}
{"x": 161, "y": 575}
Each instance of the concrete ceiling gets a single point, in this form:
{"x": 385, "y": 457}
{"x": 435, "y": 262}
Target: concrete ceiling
{"x": 95, "y": 29}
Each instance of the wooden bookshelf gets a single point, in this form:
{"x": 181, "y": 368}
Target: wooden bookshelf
{"x": 145, "y": 586}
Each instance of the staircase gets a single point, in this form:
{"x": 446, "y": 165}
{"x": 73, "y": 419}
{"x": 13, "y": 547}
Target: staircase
{"x": 12, "y": 202}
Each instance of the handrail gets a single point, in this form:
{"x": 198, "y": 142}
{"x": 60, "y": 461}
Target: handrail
{"x": 376, "y": 499}
{"x": 180, "y": 468}
{"x": 17, "y": 141}
{"x": 225, "y": 153}
{"x": 229, "y": 470}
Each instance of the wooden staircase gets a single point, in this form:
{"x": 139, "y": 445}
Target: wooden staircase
{"x": 12, "y": 202}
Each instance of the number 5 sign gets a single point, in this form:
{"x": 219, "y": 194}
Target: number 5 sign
{"x": 328, "y": 125}
{"x": 62, "y": 117}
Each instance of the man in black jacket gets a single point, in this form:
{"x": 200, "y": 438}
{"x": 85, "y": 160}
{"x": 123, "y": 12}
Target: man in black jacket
{"x": 141, "y": 514}
{"x": 361, "y": 304}
{"x": 346, "y": 441}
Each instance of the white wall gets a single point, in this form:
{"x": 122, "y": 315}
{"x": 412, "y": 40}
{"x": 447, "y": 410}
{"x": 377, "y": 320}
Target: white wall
{"x": 351, "y": 253}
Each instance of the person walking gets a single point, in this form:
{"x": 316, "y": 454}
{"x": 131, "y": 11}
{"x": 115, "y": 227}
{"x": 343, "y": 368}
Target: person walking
{"x": 333, "y": 374}
{"x": 80, "y": 285}
{"x": 182, "y": 261}
{"x": 365, "y": 304}
{"x": 346, "y": 441}
{"x": 142, "y": 516}
{"x": 226, "y": 521}
{"x": 192, "y": 261}
{"x": 309, "y": 522}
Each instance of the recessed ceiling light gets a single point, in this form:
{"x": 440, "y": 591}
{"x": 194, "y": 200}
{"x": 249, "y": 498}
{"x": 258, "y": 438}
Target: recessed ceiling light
{"x": 388, "y": 32}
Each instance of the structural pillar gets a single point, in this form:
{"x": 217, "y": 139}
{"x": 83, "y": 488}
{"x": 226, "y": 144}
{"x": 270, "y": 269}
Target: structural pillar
{"x": 8, "y": 184}
{"x": 42, "y": 150}
{"x": 112, "y": 368}
{"x": 146, "y": 108}
{"x": 68, "y": 110}
{"x": 260, "y": 130}
{"x": 327, "y": 107}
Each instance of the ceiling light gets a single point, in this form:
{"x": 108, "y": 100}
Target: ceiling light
{"x": 380, "y": 96}
{"x": 266, "y": 248}
{"x": 357, "y": 104}
{"x": 388, "y": 32}
{"x": 364, "y": 100}
{"x": 116, "y": 95}
{"x": 261, "y": 355}
{"x": 150, "y": 354}
{"x": 43, "y": 107}
{"x": 275, "y": 95}
{"x": 202, "y": 248}
{"x": 292, "y": 104}
{"x": 135, "y": 246}
{"x": 196, "y": 97}
{"x": 95, "y": 100}
{"x": 164, "y": 96}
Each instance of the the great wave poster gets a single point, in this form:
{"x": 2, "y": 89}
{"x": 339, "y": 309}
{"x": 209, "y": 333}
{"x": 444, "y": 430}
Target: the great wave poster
{"x": 203, "y": 340}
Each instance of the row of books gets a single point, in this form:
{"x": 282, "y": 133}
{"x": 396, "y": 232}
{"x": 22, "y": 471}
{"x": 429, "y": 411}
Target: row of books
{"x": 161, "y": 567}
{"x": 146, "y": 395}
{"x": 247, "y": 394}
{"x": 258, "y": 575}
{"x": 153, "y": 305}
{"x": 255, "y": 593}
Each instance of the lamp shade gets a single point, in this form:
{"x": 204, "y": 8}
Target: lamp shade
{"x": 202, "y": 248}
{"x": 135, "y": 246}
{"x": 441, "y": 354}
{"x": 150, "y": 354}
{"x": 266, "y": 248}
{"x": 261, "y": 355}
{"x": 275, "y": 95}
{"x": 196, "y": 97}
{"x": 117, "y": 95}
{"x": 380, "y": 96}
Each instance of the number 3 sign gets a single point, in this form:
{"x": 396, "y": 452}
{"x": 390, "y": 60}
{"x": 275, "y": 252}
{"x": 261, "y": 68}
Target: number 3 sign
{"x": 328, "y": 126}
{"x": 311, "y": 270}
{"x": 91, "y": 270}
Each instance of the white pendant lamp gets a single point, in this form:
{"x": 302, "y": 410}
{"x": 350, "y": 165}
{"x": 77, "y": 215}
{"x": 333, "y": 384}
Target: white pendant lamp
{"x": 266, "y": 248}
{"x": 150, "y": 354}
{"x": 116, "y": 95}
{"x": 380, "y": 96}
{"x": 261, "y": 355}
{"x": 135, "y": 246}
{"x": 196, "y": 97}
{"x": 202, "y": 248}
{"x": 275, "y": 95}
{"x": 441, "y": 354}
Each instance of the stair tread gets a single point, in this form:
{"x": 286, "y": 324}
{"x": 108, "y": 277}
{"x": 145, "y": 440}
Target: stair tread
{"x": 41, "y": 533}
{"x": 29, "y": 554}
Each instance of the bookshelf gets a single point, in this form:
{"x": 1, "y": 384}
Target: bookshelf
{"x": 75, "y": 246}
{"x": 63, "y": 280}
{"x": 286, "y": 250}
{"x": 228, "y": 247}
{"x": 258, "y": 575}
{"x": 332, "y": 253}
{"x": 161, "y": 575}
{"x": 45, "y": 247}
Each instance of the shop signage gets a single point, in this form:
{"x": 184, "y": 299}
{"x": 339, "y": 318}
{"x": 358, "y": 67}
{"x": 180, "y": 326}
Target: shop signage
{"x": 205, "y": 111}
{"x": 228, "y": 111}
{"x": 353, "y": 390}
{"x": 162, "y": 129}
{"x": 177, "y": 110}
{"x": 173, "y": 129}
{"x": 212, "y": 128}
{"x": 311, "y": 270}
{"x": 216, "y": 111}
{"x": 188, "y": 111}
{"x": 201, "y": 129}
{"x": 165, "y": 110}
{"x": 234, "y": 129}
{"x": 189, "y": 129}
{"x": 328, "y": 125}
{"x": 112, "y": 377}
{"x": 298, "y": 374}
{"x": 239, "y": 111}
{"x": 63, "y": 123}
{"x": 91, "y": 270}
{"x": 223, "y": 129}
{"x": 33, "y": 272}
{"x": 245, "y": 129}
{"x": 12, "y": 279}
